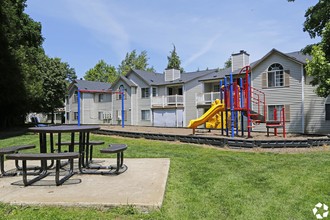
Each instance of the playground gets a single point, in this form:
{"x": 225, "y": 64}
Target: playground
{"x": 239, "y": 108}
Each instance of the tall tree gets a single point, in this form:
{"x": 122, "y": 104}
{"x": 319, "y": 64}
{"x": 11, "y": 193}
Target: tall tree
{"x": 55, "y": 82}
{"x": 317, "y": 24}
{"x": 134, "y": 61}
{"x": 227, "y": 63}
{"x": 102, "y": 72}
{"x": 20, "y": 43}
{"x": 174, "y": 61}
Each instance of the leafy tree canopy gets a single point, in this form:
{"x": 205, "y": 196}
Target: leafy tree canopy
{"x": 227, "y": 63}
{"x": 174, "y": 61}
{"x": 317, "y": 24}
{"x": 102, "y": 72}
{"x": 55, "y": 80}
{"x": 20, "y": 46}
{"x": 134, "y": 61}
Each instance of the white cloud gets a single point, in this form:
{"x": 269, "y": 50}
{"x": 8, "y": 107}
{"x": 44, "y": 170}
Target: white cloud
{"x": 97, "y": 18}
{"x": 205, "y": 48}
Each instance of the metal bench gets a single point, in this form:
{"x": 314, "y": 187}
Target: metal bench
{"x": 88, "y": 152}
{"x": 119, "y": 150}
{"x": 43, "y": 157}
{"x": 11, "y": 150}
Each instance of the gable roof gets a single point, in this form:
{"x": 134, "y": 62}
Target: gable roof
{"x": 149, "y": 78}
{"x": 123, "y": 78}
{"x": 91, "y": 86}
{"x": 296, "y": 56}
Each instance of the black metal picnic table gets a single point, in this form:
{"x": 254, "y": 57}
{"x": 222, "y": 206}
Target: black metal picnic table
{"x": 83, "y": 138}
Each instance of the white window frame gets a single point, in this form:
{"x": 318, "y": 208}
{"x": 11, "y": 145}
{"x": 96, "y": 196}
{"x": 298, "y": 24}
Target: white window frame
{"x": 145, "y": 115}
{"x": 145, "y": 93}
{"x": 275, "y": 75}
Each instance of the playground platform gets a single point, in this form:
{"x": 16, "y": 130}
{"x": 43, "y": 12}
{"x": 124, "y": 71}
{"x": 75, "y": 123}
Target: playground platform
{"x": 215, "y": 137}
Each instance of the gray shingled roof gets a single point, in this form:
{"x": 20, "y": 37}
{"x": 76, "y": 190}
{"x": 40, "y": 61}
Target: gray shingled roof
{"x": 91, "y": 85}
{"x": 298, "y": 55}
{"x": 150, "y": 78}
{"x": 218, "y": 74}
{"x": 159, "y": 78}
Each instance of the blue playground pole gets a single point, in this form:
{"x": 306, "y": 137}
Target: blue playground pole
{"x": 122, "y": 108}
{"x": 232, "y": 105}
{"x": 220, "y": 90}
{"x": 78, "y": 107}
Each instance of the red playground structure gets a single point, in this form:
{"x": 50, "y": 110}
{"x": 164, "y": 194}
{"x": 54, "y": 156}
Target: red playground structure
{"x": 241, "y": 99}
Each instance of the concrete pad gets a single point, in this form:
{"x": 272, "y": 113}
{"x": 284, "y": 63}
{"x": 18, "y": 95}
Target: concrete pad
{"x": 142, "y": 185}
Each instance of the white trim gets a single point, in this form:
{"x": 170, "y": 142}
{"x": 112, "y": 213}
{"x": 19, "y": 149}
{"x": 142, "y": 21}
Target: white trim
{"x": 184, "y": 93}
{"x": 302, "y": 99}
{"x": 82, "y": 108}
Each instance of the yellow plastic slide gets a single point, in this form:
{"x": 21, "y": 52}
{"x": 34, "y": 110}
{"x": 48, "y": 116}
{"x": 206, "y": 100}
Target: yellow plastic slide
{"x": 215, "y": 108}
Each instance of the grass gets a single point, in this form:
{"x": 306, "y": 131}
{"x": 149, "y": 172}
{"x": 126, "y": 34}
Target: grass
{"x": 208, "y": 183}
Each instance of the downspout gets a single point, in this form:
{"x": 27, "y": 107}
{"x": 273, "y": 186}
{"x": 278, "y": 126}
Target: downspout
{"x": 302, "y": 100}
{"x": 151, "y": 101}
{"x": 82, "y": 115}
{"x": 184, "y": 105}
{"x": 78, "y": 107}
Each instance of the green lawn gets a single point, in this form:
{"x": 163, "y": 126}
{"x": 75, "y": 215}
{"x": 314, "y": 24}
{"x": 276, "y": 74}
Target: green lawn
{"x": 208, "y": 183}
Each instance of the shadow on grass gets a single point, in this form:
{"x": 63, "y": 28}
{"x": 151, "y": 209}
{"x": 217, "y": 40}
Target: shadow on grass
{"x": 13, "y": 132}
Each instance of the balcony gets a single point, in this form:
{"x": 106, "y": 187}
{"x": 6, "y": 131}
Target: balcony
{"x": 206, "y": 98}
{"x": 167, "y": 101}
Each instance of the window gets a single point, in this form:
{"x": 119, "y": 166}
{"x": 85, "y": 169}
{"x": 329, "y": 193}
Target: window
{"x": 145, "y": 92}
{"x": 68, "y": 116}
{"x": 275, "y": 75}
{"x": 75, "y": 97}
{"x": 100, "y": 116}
{"x": 101, "y": 97}
{"x": 154, "y": 92}
{"x": 118, "y": 115}
{"x": 118, "y": 95}
{"x": 327, "y": 112}
{"x": 180, "y": 91}
{"x": 170, "y": 91}
{"x": 145, "y": 115}
{"x": 75, "y": 116}
{"x": 278, "y": 108}
{"x": 216, "y": 88}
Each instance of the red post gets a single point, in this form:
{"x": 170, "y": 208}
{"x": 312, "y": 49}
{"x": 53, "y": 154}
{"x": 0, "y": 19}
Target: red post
{"x": 275, "y": 119}
{"x": 283, "y": 123}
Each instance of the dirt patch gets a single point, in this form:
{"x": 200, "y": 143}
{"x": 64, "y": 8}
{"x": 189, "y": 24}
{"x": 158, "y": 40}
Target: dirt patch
{"x": 207, "y": 132}
{"x": 217, "y": 133}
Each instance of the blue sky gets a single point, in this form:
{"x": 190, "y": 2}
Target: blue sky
{"x": 205, "y": 33}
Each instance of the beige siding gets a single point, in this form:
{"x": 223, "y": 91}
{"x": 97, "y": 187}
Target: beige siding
{"x": 140, "y": 103}
{"x": 315, "y": 111}
{"x": 288, "y": 95}
{"x": 117, "y": 103}
{"x": 191, "y": 89}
